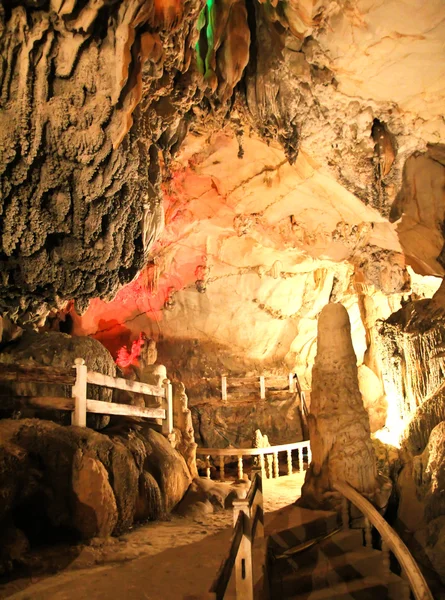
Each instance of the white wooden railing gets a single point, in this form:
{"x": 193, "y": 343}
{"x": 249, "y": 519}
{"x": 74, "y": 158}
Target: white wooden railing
{"x": 80, "y": 405}
{"x": 411, "y": 573}
{"x": 260, "y": 380}
{"x": 248, "y": 525}
{"x": 268, "y": 457}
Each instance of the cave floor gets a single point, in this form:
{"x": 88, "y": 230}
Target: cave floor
{"x": 169, "y": 560}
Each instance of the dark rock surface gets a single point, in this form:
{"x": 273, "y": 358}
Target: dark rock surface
{"x": 234, "y": 424}
{"x": 74, "y": 482}
{"x": 57, "y": 350}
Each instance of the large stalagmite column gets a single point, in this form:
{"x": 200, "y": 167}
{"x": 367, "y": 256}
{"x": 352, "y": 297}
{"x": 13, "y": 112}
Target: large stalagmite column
{"x": 338, "y": 422}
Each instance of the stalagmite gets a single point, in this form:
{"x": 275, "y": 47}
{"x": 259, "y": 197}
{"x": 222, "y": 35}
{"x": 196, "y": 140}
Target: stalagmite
{"x": 338, "y": 422}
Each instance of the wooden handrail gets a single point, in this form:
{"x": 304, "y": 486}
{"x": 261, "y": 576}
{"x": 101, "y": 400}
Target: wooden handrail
{"x": 248, "y": 514}
{"x": 251, "y": 451}
{"x": 78, "y": 377}
{"x": 222, "y": 579}
{"x": 128, "y": 385}
{"x": 414, "y": 575}
{"x": 46, "y": 402}
{"x": 109, "y": 408}
{"x": 37, "y": 374}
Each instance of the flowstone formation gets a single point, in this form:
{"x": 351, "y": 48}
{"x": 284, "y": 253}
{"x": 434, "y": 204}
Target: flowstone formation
{"x": 92, "y": 94}
{"x": 411, "y": 345}
{"x": 97, "y": 97}
{"x": 338, "y": 422}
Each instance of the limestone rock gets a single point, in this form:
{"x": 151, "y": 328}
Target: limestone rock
{"x": 338, "y": 423}
{"x": 374, "y": 400}
{"x": 167, "y": 466}
{"x": 149, "y": 502}
{"x": 95, "y": 510}
{"x": 435, "y": 547}
{"x": 234, "y": 424}
{"x": 58, "y": 350}
{"x": 185, "y": 435}
{"x": 410, "y": 338}
{"x": 13, "y": 547}
{"x": 78, "y": 482}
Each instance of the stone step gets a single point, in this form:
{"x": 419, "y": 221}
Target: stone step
{"x": 391, "y": 587}
{"x": 293, "y": 536}
{"x": 323, "y": 570}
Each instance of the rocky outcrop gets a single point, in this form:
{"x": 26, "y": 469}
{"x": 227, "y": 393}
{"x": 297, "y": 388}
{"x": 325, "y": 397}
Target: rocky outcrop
{"x": 411, "y": 338}
{"x": 420, "y": 206}
{"x": 58, "y": 350}
{"x": 338, "y": 423}
{"x": 87, "y": 104}
{"x": 234, "y": 424}
{"x": 184, "y": 433}
{"x": 422, "y": 505}
{"x": 86, "y": 484}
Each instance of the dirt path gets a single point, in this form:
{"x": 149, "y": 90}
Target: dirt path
{"x": 172, "y": 560}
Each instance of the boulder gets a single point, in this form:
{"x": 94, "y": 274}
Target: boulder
{"x": 167, "y": 467}
{"x": 95, "y": 510}
{"x": 57, "y": 350}
{"x": 75, "y": 483}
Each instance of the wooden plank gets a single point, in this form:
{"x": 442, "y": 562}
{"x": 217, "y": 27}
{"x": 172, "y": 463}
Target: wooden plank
{"x": 222, "y": 579}
{"x": 45, "y": 402}
{"x": 37, "y": 374}
{"x": 250, "y": 451}
{"x": 125, "y": 384}
{"x": 109, "y": 408}
{"x": 258, "y": 518}
{"x": 79, "y": 393}
{"x": 224, "y": 388}
{"x": 254, "y": 488}
{"x": 417, "y": 581}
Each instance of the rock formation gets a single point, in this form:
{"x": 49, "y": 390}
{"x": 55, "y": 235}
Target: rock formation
{"x": 338, "y": 423}
{"x": 83, "y": 483}
{"x": 58, "y": 350}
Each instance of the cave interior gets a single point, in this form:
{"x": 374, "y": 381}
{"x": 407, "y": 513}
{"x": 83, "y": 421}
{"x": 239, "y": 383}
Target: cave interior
{"x": 240, "y": 203}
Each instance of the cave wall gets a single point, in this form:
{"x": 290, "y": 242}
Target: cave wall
{"x": 97, "y": 97}
{"x": 86, "y": 108}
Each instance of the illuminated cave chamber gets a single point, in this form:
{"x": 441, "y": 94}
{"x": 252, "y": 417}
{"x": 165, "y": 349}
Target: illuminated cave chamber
{"x": 184, "y": 187}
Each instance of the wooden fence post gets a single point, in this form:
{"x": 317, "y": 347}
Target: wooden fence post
{"x": 289, "y": 462}
{"x": 262, "y": 388}
{"x": 240, "y": 467}
{"x": 224, "y": 389}
{"x": 276, "y": 465}
{"x": 258, "y": 501}
{"x": 243, "y": 562}
{"x": 167, "y": 423}
{"x": 79, "y": 393}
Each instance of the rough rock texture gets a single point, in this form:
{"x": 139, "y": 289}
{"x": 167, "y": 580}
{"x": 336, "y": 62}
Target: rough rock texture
{"x": 58, "y": 350}
{"x": 421, "y": 206}
{"x": 204, "y": 496}
{"x": 75, "y": 481}
{"x": 410, "y": 339}
{"x": 422, "y": 506}
{"x": 86, "y": 98}
{"x": 94, "y": 92}
{"x": 95, "y": 510}
{"x": 234, "y": 424}
{"x": 185, "y": 434}
{"x": 257, "y": 248}
{"x": 338, "y": 423}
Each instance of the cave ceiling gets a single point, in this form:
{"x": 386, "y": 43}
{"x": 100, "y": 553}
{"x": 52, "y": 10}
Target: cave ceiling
{"x": 173, "y": 146}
